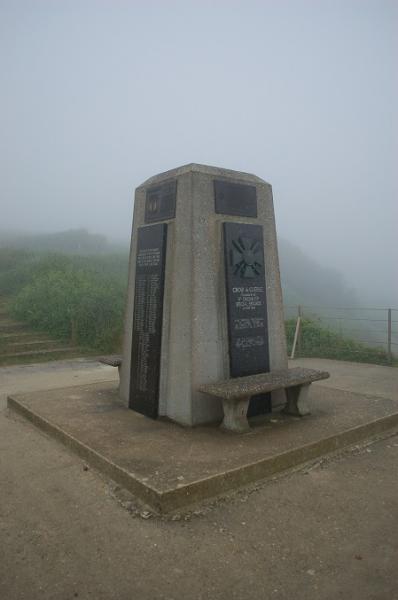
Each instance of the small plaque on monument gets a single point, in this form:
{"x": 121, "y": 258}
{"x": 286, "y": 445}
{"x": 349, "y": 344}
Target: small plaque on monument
{"x": 235, "y": 199}
{"x": 147, "y": 321}
{"x": 246, "y": 299}
{"x": 160, "y": 202}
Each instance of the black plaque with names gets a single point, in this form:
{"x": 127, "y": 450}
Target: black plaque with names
{"x": 160, "y": 204}
{"x": 246, "y": 299}
{"x": 147, "y": 320}
{"x": 235, "y": 199}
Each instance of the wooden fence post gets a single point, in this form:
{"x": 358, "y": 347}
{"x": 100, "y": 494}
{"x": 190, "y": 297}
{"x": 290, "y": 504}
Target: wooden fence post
{"x": 296, "y": 335}
{"x": 299, "y": 318}
{"x": 389, "y": 332}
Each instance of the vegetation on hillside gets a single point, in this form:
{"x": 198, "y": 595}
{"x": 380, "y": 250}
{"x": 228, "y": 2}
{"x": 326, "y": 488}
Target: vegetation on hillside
{"x": 81, "y": 297}
{"x": 76, "y": 298}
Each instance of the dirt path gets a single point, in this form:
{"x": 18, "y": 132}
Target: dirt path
{"x": 326, "y": 532}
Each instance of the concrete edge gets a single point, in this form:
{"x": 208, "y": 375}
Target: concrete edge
{"x": 201, "y": 168}
{"x": 238, "y": 478}
{"x": 144, "y": 492}
{"x": 215, "y": 485}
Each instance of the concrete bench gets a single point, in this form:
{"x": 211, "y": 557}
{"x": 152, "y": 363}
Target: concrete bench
{"x": 114, "y": 360}
{"x": 236, "y": 393}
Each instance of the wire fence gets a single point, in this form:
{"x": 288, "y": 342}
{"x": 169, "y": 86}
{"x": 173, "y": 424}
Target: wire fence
{"x": 365, "y": 334}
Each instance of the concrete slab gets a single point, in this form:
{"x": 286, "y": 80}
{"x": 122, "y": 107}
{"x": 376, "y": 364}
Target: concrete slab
{"x": 355, "y": 377}
{"x": 33, "y": 377}
{"x": 168, "y": 467}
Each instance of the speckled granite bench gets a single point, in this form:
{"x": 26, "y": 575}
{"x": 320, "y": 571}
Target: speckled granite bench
{"x": 236, "y": 393}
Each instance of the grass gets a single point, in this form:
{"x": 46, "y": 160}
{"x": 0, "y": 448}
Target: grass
{"x": 319, "y": 342}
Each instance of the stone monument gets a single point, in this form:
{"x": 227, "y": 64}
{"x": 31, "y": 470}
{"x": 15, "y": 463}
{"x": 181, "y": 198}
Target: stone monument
{"x": 204, "y": 294}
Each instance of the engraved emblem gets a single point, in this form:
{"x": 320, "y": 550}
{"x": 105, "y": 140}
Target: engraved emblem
{"x": 160, "y": 202}
{"x": 153, "y": 204}
{"x": 245, "y": 257}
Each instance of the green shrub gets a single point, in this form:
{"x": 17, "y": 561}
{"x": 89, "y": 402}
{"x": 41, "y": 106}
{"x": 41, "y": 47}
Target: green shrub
{"x": 78, "y": 305}
{"x": 18, "y": 268}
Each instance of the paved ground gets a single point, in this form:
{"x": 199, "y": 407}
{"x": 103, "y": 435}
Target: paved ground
{"x": 326, "y": 532}
{"x": 56, "y": 374}
{"x": 170, "y": 466}
{"x": 355, "y": 377}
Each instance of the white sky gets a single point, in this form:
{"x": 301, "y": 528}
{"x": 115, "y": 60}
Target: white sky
{"x": 97, "y": 96}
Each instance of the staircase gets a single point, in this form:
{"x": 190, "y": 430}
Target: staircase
{"x": 19, "y": 344}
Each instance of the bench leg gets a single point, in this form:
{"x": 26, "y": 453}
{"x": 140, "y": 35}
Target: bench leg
{"x": 297, "y": 400}
{"x": 119, "y": 368}
{"x": 235, "y": 415}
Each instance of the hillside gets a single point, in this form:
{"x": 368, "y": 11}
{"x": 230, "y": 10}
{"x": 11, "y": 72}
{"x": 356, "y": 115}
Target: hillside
{"x": 73, "y": 241}
{"x": 80, "y": 285}
{"x": 305, "y": 281}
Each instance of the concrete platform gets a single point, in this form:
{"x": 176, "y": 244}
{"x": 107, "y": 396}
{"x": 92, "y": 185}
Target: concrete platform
{"x": 168, "y": 467}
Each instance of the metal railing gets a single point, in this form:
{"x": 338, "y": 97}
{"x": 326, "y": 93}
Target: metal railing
{"x": 356, "y": 331}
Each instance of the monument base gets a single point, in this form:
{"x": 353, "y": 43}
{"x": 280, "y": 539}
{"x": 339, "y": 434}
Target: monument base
{"x": 135, "y": 451}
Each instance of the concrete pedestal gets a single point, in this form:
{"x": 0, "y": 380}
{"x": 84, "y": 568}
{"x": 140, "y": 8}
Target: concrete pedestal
{"x": 193, "y": 335}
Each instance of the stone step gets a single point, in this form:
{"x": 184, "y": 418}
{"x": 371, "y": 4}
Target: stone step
{"x": 22, "y": 336}
{"x": 39, "y": 353}
{"x": 11, "y": 326}
{"x": 35, "y": 344}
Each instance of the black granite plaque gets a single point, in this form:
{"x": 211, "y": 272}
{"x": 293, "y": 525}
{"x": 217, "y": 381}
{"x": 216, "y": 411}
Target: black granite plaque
{"x": 147, "y": 320}
{"x": 235, "y": 199}
{"x": 160, "y": 202}
{"x": 246, "y": 299}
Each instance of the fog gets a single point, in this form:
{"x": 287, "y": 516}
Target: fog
{"x": 98, "y": 96}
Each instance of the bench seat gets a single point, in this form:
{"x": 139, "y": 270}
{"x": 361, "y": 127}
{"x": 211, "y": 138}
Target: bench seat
{"x": 114, "y": 360}
{"x": 236, "y": 393}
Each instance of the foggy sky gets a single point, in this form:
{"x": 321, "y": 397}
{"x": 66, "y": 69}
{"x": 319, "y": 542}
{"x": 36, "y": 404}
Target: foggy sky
{"x": 98, "y": 96}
